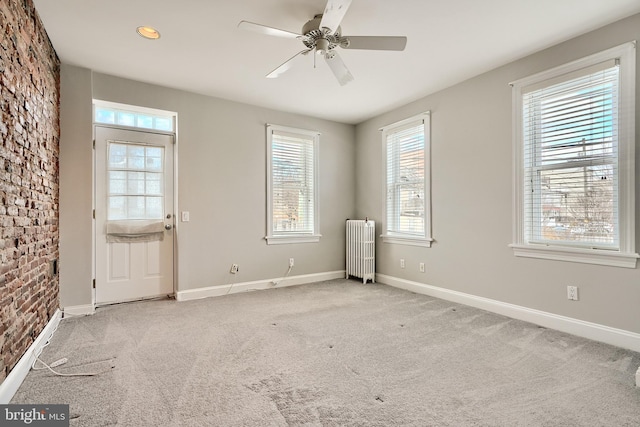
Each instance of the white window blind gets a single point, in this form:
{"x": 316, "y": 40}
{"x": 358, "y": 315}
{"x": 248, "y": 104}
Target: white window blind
{"x": 570, "y": 132}
{"x": 293, "y": 185}
{"x": 574, "y": 161}
{"x": 406, "y": 183}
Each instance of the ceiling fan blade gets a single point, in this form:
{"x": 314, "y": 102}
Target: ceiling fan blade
{"x": 333, "y": 14}
{"x": 376, "y": 42}
{"x": 288, "y": 64}
{"x": 339, "y": 69}
{"x": 270, "y": 31}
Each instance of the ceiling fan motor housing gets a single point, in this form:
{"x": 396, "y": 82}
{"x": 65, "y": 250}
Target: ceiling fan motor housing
{"x": 322, "y": 38}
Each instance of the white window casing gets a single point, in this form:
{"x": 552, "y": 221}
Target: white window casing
{"x": 574, "y": 167}
{"x": 292, "y": 185}
{"x": 407, "y": 187}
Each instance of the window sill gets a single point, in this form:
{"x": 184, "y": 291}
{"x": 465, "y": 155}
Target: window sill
{"x": 404, "y": 240}
{"x": 585, "y": 256}
{"x": 285, "y": 240}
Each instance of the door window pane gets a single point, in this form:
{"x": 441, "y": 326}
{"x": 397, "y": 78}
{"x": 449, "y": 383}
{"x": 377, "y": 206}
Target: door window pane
{"x": 145, "y": 121}
{"x": 135, "y": 181}
{"x": 126, "y": 119}
{"x": 105, "y": 116}
{"x": 163, "y": 123}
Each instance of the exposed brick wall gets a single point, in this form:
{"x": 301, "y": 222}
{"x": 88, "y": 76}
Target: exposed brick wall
{"x": 29, "y": 135}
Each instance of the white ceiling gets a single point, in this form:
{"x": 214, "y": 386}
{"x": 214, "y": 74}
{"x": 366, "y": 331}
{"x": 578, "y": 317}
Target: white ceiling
{"x": 202, "y": 50}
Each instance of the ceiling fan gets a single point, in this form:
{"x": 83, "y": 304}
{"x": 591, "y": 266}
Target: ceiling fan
{"x": 323, "y": 34}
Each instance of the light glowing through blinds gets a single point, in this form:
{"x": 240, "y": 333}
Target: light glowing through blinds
{"x": 405, "y": 152}
{"x": 292, "y": 174}
{"x": 570, "y": 134}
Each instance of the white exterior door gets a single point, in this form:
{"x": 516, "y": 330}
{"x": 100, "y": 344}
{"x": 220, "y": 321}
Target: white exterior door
{"x": 134, "y": 214}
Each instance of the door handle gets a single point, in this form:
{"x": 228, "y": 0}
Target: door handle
{"x": 167, "y": 226}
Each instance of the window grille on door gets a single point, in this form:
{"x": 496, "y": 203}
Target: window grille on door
{"x": 135, "y": 181}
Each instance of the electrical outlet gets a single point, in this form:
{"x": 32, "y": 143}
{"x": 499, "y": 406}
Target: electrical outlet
{"x": 572, "y": 293}
{"x": 234, "y": 268}
{"x": 422, "y": 267}
{"x": 290, "y": 262}
{"x": 401, "y": 262}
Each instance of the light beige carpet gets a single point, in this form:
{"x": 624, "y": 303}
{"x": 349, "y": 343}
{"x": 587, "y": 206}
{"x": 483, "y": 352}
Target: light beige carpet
{"x": 335, "y": 353}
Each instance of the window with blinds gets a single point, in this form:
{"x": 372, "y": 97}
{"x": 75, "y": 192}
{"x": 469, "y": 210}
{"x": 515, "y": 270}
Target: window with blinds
{"x": 292, "y": 192}
{"x": 574, "y": 148}
{"x": 570, "y": 132}
{"x": 407, "y": 199}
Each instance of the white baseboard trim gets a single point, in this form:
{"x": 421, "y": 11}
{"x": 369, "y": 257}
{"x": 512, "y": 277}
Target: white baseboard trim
{"x": 78, "y": 310}
{"x": 216, "y": 291}
{"x": 593, "y": 331}
{"x": 19, "y": 372}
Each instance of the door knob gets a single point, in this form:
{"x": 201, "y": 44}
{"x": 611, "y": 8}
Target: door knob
{"x": 167, "y": 227}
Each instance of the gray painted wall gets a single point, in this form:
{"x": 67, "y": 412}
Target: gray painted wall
{"x": 222, "y": 183}
{"x": 76, "y": 186}
{"x": 472, "y": 197}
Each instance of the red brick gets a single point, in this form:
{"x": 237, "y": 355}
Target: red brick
{"x": 29, "y": 136}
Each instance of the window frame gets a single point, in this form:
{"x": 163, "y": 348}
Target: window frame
{"x": 126, "y": 170}
{"x": 289, "y": 237}
{"x": 137, "y": 113}
{"x": 394, "y": 237}
{"x": 624, "y": 255}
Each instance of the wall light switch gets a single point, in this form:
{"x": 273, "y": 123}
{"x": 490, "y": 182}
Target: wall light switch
{"x": 185, "y": 216}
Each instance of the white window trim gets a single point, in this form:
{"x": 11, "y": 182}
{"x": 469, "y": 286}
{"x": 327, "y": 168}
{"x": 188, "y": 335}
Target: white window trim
{"x": 625, "y": 256}
{"x": 400, "y": 238}
{"x": 293, "y": 237}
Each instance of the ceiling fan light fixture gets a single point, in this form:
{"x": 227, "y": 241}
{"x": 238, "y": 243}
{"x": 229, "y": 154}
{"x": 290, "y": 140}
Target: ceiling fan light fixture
{"x": 322, "y": 46}
{"x": 148, "y": 32}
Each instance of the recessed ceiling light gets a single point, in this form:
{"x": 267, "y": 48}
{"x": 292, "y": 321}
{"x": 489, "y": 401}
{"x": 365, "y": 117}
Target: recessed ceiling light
{"x": 148, "y": 32}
